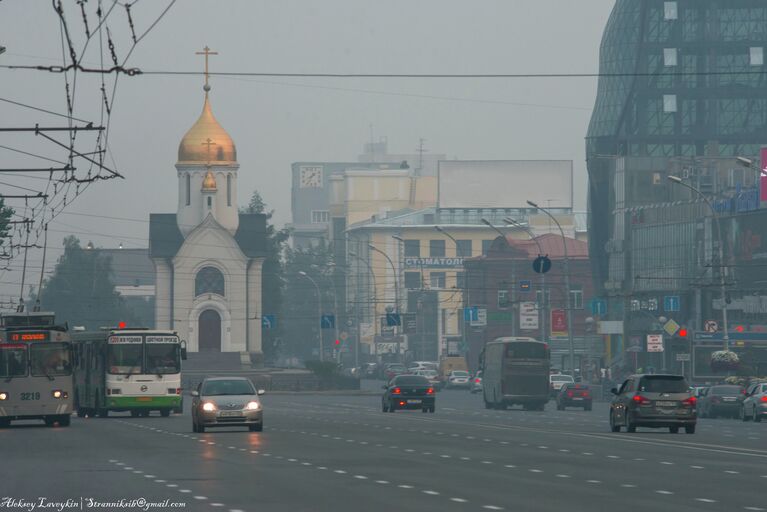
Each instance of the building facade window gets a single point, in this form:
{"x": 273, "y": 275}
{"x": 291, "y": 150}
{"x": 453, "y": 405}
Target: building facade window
{"x": 669, "y": 57}
{"x": 463, "y": 248}
{"x": 437, "y": 248}
{"x": 412, "y": 280}
{"x": 209, "y": 280}
{"x": 670, "y": 11}
{"x": 486, "y": 246}
{"x": 460, "y": 280}
{"x": 576, "y": 298}
{"x": 437, "y": 280}
{"x": 503, "y": 299}
{"x": 669, "y": 103}
{"x": 210, "y": 203}
{"x": 320, "y": 216}
{"x": 188, "y": 190}
{"x": 756, "y": 55}
{"x": 229, "y": 190}
{"x": 413, "y": 248}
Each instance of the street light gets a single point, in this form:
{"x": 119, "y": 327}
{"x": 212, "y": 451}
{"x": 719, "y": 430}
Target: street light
{"x": 373, "y": 302}
{"x": 542, "y": 275}
{"x": 570, "y": 339}
{"x": 490, "y": 225}
{"x": 319, "y": 310}
{"x": 465, "y": 281}
{"x": 396, "y": 283}
{"x": 722, "y": 268}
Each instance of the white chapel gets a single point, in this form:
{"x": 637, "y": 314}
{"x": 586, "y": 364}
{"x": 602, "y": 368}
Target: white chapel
{"x": 208, "y": 256}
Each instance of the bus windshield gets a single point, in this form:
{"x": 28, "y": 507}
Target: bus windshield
{"x": 162, "y": 358}
{"x": 124, "y": 359}
{"x": 525, "y": 350}
{"x": 13, "y": 361}
{"x": 49, "y": 359}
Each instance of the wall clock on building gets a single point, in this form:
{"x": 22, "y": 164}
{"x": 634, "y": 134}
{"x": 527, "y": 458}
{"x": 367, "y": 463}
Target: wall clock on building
{"x": 310, "y": 177}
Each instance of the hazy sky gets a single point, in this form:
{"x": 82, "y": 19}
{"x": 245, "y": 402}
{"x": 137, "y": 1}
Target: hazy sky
{"x": 276, "y": 121}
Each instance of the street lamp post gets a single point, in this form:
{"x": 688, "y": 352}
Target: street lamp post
{"x": 465, "y": 284}
{"x": 396, "y": 288}
{"x": 568, "y": 301}
{"x": 542, "y": 275}
{"x": 319, "y": 310}
{"x": 373, "y": 300}
{"x": 722, "y": 268}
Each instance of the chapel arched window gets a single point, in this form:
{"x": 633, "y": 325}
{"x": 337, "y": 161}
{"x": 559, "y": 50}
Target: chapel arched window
{"x": 209, "y": 280}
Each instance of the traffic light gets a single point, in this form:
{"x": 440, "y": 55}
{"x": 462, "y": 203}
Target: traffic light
{"x": 682, "y": 332}
{"x": 121, "y": 325}
{"x": 338, "y": 343}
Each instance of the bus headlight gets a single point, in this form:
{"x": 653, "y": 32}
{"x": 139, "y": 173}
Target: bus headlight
{"x": 253, "y": 406}
{"x": 3, "y": 395}
{"x": 209, "y": 406}
{"x": 57, "y": 393}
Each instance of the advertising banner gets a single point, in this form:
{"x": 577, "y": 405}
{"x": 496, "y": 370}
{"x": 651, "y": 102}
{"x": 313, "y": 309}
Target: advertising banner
{"x": 528, "y": 316}
{"x": 558, "y": 322}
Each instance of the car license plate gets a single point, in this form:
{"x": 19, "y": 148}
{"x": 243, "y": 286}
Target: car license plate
{"x": 729, "y": 399}
{"x": 665, "y": 404}
{"x": 230, "y": 413}
{"x": 578, "y": 398}
{"x": 411, "y": 401}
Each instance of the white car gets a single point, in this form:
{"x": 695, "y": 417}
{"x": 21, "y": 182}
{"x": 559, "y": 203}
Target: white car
{"x": 458, "y": 379}
{"x": 422, "y": 365}
{"x": 432, "y": 376}
{"x": 557, "y": 381}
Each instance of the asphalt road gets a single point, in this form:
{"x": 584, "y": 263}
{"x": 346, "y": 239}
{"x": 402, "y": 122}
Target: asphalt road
{"x": 341, "y": 453}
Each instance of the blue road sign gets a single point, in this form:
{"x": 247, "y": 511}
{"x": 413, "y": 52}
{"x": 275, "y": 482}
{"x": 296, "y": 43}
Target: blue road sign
{"x": 671, "y": 303}
{"x": 269, "y": 321}
{"x": 471, "y": 314}
{"x": 598, "y": 307}
{"x": 541, "y": 264}
{"x": 524, "y": 285}
{"x": 393, "y": 319}
{"x": 328, "y": 321}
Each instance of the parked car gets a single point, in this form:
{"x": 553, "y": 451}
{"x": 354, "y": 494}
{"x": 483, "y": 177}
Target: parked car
{"x": 458, "y": 379}
{"x": 227, "y": 402}
{"x": 574, "y": 395}
{"x": 754, "y": 406}
{"x": 556, "y": 381}
{"x": 476, "y": 383}
{"x": 408, "y": 392}
{"x": 722, "y": 400}
{"x": 656, "y": 401}
{"x": 432, "y": 376}
{"x": 391, "y": 370}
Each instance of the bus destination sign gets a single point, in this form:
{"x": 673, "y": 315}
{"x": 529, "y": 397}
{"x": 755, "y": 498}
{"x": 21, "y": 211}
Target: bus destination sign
{"x": 162, "y": 339}
{"x": 28, "y": 336}
{"x": 114, "y": 340}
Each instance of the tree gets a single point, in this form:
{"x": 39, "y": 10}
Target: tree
{"x": 5, "y": 217}
{"x": 81, "y": 290}
{"x": 272, "y": 275}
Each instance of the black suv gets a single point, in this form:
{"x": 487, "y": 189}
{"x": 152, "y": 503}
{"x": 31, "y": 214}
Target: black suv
{"x": 656, "y": 401}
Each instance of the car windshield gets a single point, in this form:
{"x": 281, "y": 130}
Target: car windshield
{"x": 663, "y": 384}
{"x": 50, "y": 359}
{"x": 460, "y": 374}
{"x": 227, "y": 387}
{"x": 726, "y": 390}
{"x": 410, "y": 380}
{"x": 13, "y": 360}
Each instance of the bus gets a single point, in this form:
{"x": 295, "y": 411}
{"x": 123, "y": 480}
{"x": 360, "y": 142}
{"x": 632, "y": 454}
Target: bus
{"x": 515, "y": 372}
{"x": 132, "y": 369}
{"x": 35, "y": 369}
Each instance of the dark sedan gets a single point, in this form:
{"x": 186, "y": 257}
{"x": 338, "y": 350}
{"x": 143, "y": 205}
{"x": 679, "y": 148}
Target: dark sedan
{"x": 724, "y": 400}
{"x": 656, "y": 401}
{"x": 408, "y": 392}
{"x": 574, "y": 395}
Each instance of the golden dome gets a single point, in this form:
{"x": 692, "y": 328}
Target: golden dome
{"x": 209, "y": 182}
{"x": 207, "y": 141}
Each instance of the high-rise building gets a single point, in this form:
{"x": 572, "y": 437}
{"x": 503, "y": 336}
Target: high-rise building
{"x": 679, "y": 79}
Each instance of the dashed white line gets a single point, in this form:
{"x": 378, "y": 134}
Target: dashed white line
{"x": 705, "y": 500}
{"x": 459, "y": 500}
{"x": 430, "y": 493}
{"x": 661, "y": 491}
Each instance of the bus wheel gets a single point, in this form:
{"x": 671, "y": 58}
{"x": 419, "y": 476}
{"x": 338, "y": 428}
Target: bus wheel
{"x": 64, "y": 420}
{"x": 49, "y": 421}
{"x": 5, "y": 422}
{"x": 134, "y": 413}
{"x": 164, "y": 413}
{"x": 81, "y": 412}
{"x": 102, "y": 412}
{"x": 145, "y": 413}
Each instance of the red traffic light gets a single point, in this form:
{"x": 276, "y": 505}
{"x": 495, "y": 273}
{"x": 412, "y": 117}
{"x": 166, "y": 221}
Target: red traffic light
{"x": 121, "y": 325}
{"x": 338, "y": 342}
{"x": 739, "y": 328}
{"x": 682, "y": 333}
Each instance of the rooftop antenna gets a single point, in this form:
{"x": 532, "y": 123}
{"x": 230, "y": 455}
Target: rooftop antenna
{"x": 421, "y": 150}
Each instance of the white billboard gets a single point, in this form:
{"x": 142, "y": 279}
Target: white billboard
{"x": 505, "y": 183}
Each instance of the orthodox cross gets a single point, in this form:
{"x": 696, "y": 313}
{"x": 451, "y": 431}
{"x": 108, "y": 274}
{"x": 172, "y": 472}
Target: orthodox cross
{"x": 206, "y": 51}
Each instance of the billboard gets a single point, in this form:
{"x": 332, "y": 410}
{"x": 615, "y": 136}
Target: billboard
{"x": 505, "y": 183}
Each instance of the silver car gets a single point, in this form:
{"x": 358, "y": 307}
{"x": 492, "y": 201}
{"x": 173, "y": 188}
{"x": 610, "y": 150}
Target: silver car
{"x": 755, "y": 404}
{"x": 227, "y": 402}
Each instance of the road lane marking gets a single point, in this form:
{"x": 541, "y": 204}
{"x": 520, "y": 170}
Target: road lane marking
{"x": 201, "y": 498}
{"x": 705, "y": 500}
{"x": 382, "y": 482}
{"x": 405, "y": 486}
{"x": 360, "y": 477}
{"x": 661, "y": 491}
{"x": 459, "y": 500}
{"x": 430, "y": 493}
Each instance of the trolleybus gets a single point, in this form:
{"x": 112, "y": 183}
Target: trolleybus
{"x": 135, "y": 370}
{"x": 515, "y": 371}
{"x": 35, "y": 369}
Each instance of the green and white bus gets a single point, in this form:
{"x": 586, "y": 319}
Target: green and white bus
{"x": 136, "y": 370}
{"x": 35, "y": 369}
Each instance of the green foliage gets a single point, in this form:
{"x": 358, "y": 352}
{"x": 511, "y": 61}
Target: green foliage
{"x": 81, "y": 290}
{"x": 5, "y": 216}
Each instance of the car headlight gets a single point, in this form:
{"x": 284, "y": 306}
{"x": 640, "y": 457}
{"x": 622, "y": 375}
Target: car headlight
{"x": 209, "y": 406}
{"x": 253, "y": 406}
